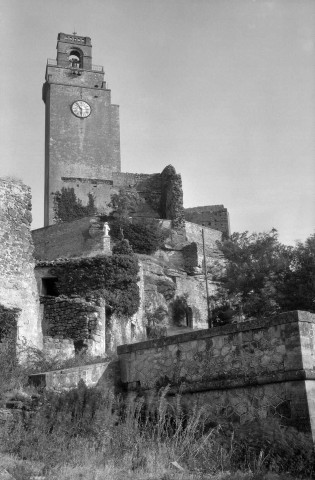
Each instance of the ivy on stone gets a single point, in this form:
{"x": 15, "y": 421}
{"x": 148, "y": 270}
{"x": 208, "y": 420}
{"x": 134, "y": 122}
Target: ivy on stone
{"x": 8, "y": 321}
{"x": 67, "y": 207}
{"x": 113, "y": 278}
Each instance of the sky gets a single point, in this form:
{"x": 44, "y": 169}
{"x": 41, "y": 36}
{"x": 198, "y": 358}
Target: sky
{"x": 224, "y": 90}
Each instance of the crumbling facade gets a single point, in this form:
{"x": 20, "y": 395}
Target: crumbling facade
{"x": 19, "y": 302}
{"x": 212, "y": 216}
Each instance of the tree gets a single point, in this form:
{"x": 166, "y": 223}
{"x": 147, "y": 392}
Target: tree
{"x": 298, "y": 289}
{"x": 261, "y": 276}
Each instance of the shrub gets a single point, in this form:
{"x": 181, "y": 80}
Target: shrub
{"x": 68, "y": 207}
{"x": 146, "y": 237}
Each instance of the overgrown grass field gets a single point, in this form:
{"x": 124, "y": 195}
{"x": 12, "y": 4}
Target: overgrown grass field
{"x": 90, "y": 434}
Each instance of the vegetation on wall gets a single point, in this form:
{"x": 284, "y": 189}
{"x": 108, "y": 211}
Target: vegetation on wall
{"x": 68, "y": 207}
{"x": 8, "y": 322}
{"x": 180, "y": 307}
{"x": 157, "y": 323}
{"x": 111, "y": 277}
{"x": 146, "y": 236}
{"x": 262, "y": 276}
{"x": 171, "y": 204}
{"x": 125, "y": 202}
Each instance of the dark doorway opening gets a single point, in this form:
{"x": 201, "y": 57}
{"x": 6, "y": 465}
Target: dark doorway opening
{"x": 49, "y": 287}
{"x": 189, "y": 317}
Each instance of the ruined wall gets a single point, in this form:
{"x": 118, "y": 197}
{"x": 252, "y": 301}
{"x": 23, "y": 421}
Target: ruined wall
{"x": 253, "y": 369}
{"x": 18, "y": 287}
{"x": 81, "y": 238}
{"x": 105, "y": 375}
{"x": 149, "y": 188}
{"x": 75, "y": 319}
{"x": 100, "y": 189}
{"x": 78, "y": 292}
{"x": 213, "y": 216}
{"x": 162, "y": 194}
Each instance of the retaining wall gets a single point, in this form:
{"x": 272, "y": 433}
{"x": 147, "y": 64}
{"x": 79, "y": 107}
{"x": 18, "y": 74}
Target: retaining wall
{"x": 104, "y": 374}
{"x": 239, "y": 372}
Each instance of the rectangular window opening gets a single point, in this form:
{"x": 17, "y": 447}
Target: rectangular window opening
{"x": 49, "y": 287}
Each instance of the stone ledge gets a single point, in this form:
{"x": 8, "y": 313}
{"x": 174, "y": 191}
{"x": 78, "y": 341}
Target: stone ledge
{"x": 67, "y": 378}
{"x": 228, "y": 383}
{"x": 283, "y": 318}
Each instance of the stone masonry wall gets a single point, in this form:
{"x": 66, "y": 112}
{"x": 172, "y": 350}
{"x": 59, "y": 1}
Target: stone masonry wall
{"x": 104, "y": 375}
{"x": 18, "y": 287}
{"x": 213, "y": 216}
{"x": 253, "y": 369}
{"x": 81, "y": 238}
{"x": 76, "y": 319}
{"x": 59, "y": 348}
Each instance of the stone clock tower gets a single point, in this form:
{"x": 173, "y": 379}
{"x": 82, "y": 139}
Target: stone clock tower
{"x": 82, "y": 135}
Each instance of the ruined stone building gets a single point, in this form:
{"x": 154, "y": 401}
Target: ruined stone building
{"x": 83, "y": 170}
{"x": 70, "y": 286}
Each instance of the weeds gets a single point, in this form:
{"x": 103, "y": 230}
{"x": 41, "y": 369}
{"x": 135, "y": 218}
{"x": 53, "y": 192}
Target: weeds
{"x": 84, "y": 428}
{"x": 90, "y": 434}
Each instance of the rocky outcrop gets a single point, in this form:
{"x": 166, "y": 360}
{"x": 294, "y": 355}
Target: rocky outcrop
{"x": 165, "y": 281}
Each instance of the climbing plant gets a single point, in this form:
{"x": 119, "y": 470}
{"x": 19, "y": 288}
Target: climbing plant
{"x": 68, "y": 207}
{"x": 111, "y": 277}
{"x": 8, "y": 321}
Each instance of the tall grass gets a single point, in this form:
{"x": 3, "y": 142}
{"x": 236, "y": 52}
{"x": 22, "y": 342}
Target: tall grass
{"x": 85, "y": 430}
{"x": 92, "y": 434}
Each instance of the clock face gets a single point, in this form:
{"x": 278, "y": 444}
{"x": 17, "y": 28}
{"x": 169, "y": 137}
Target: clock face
{"x": 81, "y": 109}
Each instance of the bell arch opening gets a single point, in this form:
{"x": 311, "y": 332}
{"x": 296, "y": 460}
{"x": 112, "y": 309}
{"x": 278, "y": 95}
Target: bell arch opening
{"x": 75, "y": 58}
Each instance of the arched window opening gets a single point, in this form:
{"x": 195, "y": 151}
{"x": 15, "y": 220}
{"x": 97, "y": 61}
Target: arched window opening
{"x": 75, "y": 59}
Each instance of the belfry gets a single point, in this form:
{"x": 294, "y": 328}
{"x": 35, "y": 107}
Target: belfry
{"x": 82, "y": 132}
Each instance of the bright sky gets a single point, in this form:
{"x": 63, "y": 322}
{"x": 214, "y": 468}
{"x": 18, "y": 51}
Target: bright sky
{"x": 224, "y": 90}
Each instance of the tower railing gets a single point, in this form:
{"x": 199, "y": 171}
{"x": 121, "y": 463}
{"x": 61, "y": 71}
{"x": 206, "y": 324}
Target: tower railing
{"x": 53, "y": 63}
